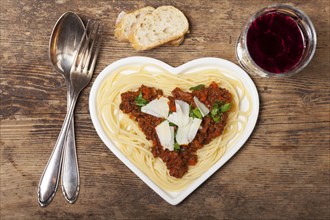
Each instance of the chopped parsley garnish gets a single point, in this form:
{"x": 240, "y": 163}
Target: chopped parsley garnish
{"x": 191, "y": 114}
{"x": 198, "y": 87}
{"x": 171, "y": 123}
{"x": 140, "y": 101}
{"x": 226, "y": 107}
{"x": 216, "y": 118}
{"x": 177, "y": 147}
{"x": 218, "y": 109}
{"x": 195, "y": 113}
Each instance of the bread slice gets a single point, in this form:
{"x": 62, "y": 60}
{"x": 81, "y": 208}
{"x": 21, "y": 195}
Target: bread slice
{"x": 125, "y": 21}
{"x": 162, "y": 25}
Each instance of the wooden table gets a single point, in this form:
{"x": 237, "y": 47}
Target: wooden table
{"x": 282, "y": 172}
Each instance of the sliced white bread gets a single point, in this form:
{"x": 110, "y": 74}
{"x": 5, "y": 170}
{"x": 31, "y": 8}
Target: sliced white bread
{"x": 125, "y": 22}
{"x": 162, "y": 25}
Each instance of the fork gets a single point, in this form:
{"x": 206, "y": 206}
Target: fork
{"x": 80, "y": 75}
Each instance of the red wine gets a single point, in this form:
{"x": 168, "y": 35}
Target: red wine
{"x": 275, "y": 42}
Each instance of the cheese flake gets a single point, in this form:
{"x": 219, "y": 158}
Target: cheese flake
{"x": 182, "y": 135}
{"x": 193, "y": 129}
{"x": 202, "y": 108}
{"x": 173, "y": 118}
{"x": 182, "y": 110}
{"x": 157, "y": 107}
{"x": 165, "y": 135}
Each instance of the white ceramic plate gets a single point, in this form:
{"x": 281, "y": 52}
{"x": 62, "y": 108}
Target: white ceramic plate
{"x": 175, "y": 198}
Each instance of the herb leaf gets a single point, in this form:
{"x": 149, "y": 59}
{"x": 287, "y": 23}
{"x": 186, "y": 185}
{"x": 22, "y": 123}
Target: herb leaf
{"x": 215, "y": 109}
{"x": 176, "y": 147}
{"x": 140, "y": 101}
{"x": 198, "y": 87}
{"x": 218, "y": 109}
{"x": 172, "y": 124}
{"x": 216, "y": 118}
{"x": 226, "y": 107}
{"x": 191, "y": 114}
{"x": 197, "y": 113}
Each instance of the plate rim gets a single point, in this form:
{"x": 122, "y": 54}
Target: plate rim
{"x": 177, "y": 197}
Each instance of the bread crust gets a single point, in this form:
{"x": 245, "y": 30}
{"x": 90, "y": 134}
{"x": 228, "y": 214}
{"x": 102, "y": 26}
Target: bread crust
{"x": 177, "y": 42}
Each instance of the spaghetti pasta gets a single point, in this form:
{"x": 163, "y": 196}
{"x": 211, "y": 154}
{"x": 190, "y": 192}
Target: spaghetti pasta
{"x": 127, "y": 136}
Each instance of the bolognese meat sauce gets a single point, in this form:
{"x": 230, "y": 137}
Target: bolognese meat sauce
{"x": 177, "y": 162}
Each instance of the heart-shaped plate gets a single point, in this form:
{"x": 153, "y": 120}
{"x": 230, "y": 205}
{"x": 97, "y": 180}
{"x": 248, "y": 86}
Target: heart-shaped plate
{"x": 175, "y": 197}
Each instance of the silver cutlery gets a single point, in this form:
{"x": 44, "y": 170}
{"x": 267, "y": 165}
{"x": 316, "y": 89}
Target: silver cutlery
{"x": 63, "y": 45}
{"x": 80, "y": 75}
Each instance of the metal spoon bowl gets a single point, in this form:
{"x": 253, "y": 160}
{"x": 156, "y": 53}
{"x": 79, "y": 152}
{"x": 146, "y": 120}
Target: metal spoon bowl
{"x": 64, "y": 42}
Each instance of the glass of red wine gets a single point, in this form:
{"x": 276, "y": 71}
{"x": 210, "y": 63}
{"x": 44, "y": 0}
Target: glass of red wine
{"x": 278, "y": 40}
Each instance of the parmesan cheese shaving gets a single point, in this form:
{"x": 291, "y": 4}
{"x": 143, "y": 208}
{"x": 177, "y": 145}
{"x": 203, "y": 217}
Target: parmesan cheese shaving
{"x": 186, "y": 134}
{"x": 182, "y": 135}
{"x": 194, "y": 126}
{"x": 182, "y": 110}
{"x": 202, "y": 108}
{"x": 165, "y": 135}
{"x": 173, "y": 118}
{"x": 157, "y": 107}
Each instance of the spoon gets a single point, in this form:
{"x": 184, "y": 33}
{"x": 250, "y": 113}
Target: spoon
{"x": 66, "y": 36}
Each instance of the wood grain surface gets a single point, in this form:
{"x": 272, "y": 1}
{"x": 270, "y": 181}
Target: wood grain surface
{"x": 282, "y": 172}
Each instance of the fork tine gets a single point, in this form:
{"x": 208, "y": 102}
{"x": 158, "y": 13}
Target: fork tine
{"x": 78, "y": 52}
{"x": 98, "y": 43}
{"x": 92, "y": 38}
{"x": 85, "y": 51}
